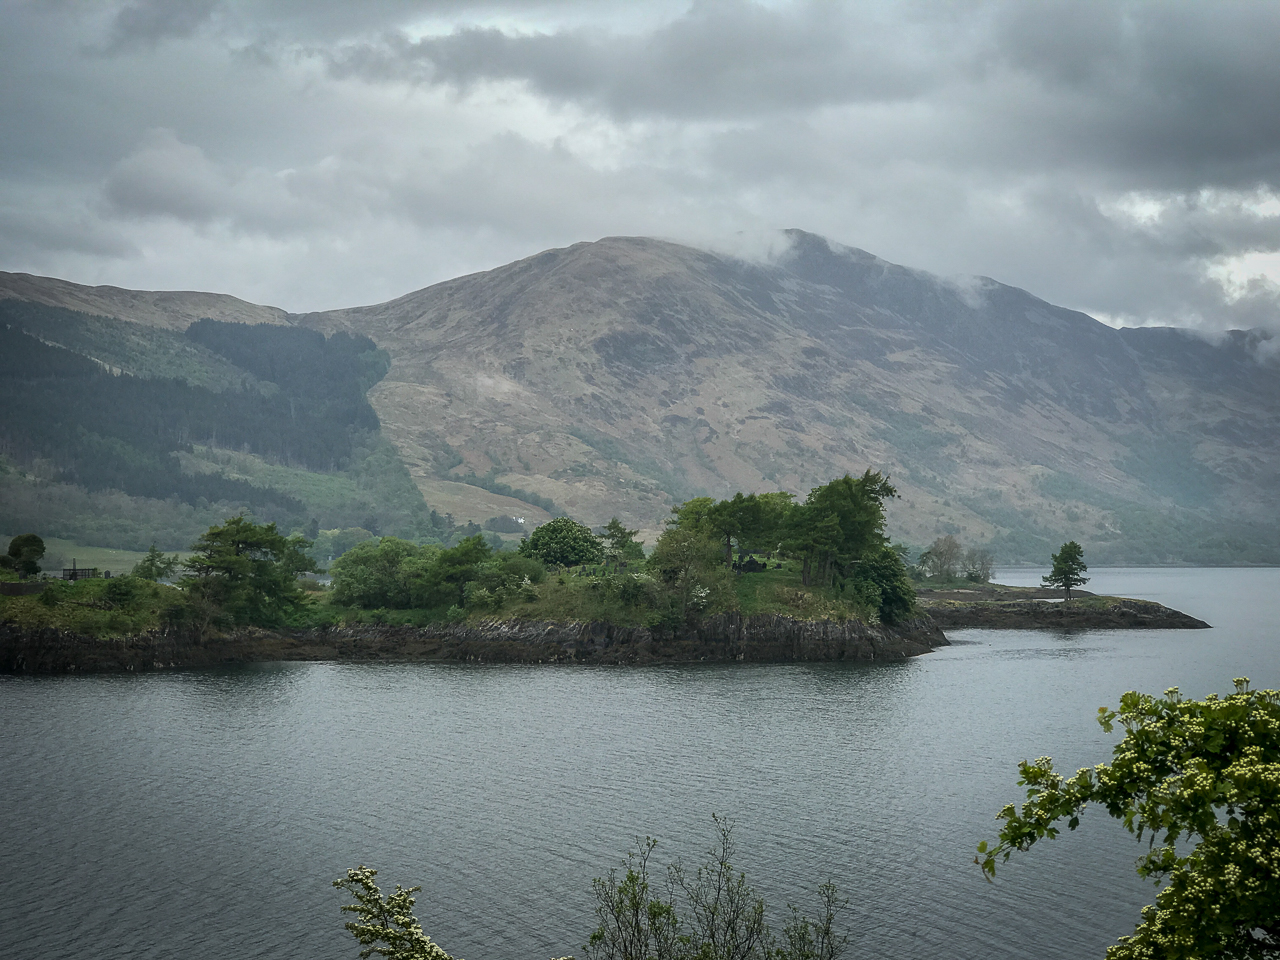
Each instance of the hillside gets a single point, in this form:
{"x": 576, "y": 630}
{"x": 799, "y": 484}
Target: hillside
{"x": 617, "y": 376}
{"x": 167, "y": 309}
{"x": 622, "y": 376}
{"x": 114, "y": 434}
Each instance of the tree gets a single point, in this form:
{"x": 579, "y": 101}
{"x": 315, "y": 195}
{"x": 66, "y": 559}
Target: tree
{"x": 688, "y": 562}
{"x": 155, "y": 565}
{"x": 25, "y": 551}
{"x": 693, "y": 515}
{"x": 731, "y": 519}
{"x": 247, "y": 571}
{"x": 371, "y": 573}
{"x": 1203, "y": 772}
{"x": 943, "y": 558}
{"x": 884, "y": 571}
{"x": 838, "y": 524}
{"x": 385, "y": 925}
{"x": 774, "y": 512}
{"x": 1068, "y": 564}
{"x": 977, "y": 565}
{"x": 620, "y": 543}
{"x": 451, "y": 571}
{"x": 563, "y": 542}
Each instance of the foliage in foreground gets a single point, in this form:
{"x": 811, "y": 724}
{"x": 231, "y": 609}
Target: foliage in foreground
{"x": 1203, "y": 771}
{"x": 710, "y": 913}
{"x": 385, "y": 926}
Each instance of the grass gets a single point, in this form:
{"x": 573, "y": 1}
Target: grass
{"x": 781, "y": 591}
{"x": 58, "y": 553}
{"x": 319, "y": 491}
{"x": 121, "y": 606}
{"x": 575, "y": 599}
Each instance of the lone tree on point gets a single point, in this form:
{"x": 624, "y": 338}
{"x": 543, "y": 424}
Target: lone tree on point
{"x": 1068, "y": 564}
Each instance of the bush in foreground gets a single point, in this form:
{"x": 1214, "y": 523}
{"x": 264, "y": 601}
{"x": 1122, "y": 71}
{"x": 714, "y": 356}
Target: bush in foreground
{"x": 709, "y": 913}
{"x": 1203, "y": 772}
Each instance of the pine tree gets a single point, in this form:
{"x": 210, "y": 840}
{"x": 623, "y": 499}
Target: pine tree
{"x": 1068, "y": 564}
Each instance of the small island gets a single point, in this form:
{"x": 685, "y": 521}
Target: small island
{"x": 994, "y": 606}
{"x": 755, "y": 578}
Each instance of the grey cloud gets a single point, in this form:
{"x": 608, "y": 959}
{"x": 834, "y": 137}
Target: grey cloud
{"x": 167, "y": 178}
{"x": 720, "y": 59}
{"x": 32, "y": 236}
{"x": 1107, "y": 156}
{"x": 145, "y": 22}
{"x": 1179, "y": 93}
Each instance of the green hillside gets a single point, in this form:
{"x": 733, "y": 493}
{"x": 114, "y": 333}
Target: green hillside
{"x": 117, "y": 435}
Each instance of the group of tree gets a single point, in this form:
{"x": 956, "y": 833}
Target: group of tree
{"x": 947, "y": 559}
{"x": 117, "y": 430}
{"x": 837, "y": 535}
{"x": 399, "y": 575}
{"x": 305, "y": 406}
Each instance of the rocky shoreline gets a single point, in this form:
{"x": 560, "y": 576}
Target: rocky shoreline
{"x": 725, "y": 638}
{"x": 721, "y": 639}
{"x": 1084, "y": 613}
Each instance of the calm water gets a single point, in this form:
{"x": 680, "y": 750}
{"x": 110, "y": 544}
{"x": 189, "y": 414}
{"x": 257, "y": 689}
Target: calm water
{"x": 203, "y": 814}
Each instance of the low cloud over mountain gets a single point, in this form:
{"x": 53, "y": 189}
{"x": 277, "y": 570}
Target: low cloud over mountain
{"x": 1117, "y": 157}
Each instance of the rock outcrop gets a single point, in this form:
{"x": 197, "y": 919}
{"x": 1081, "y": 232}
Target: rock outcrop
{"x": 1093, "y": 612}
{"x": 724, "y": 638}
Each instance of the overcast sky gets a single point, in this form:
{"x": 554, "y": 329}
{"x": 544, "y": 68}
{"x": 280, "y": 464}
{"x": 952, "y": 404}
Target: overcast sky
{"x": 1120, "y": 158}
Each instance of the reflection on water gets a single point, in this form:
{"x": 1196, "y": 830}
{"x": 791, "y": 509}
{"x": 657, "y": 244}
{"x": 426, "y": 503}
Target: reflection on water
{"x": 203, "y": 814}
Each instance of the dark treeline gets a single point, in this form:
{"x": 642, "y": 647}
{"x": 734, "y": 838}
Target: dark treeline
{"x": 108, "y": 431}
{"x": 303, "y": 363}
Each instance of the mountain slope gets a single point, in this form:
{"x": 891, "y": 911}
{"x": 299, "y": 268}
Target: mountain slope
{"x": 126, "y": 435}
{"x": 168, "y": 309}
{"x": 618, "y": 376}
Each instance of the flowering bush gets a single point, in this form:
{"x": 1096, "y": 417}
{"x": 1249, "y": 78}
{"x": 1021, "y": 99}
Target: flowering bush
{"x": 1201, "y": 770}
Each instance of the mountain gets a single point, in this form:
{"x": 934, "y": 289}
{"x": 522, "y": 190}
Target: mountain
{"x": 622, "y": 376}
{"x": 618, "y": 376}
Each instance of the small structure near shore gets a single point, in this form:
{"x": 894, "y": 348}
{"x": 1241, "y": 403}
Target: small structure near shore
{"x": 82, "y": 573}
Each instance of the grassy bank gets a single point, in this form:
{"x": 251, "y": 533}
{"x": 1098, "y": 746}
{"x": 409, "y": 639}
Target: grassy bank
{"x": 625, "y": 598}
{"x": 121, "y": 606}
